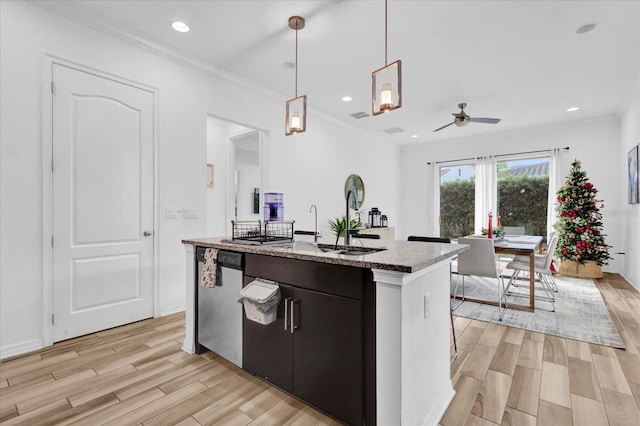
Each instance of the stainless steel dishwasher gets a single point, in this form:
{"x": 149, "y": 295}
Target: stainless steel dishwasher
{"x": 219, "y": 313}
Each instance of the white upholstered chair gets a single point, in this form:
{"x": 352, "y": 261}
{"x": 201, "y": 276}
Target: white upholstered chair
{"x": 540, "y": 259}
{"x": 542, "y": 265}
{"x": 480, "y": 261}
{"x": 513, "y": 230}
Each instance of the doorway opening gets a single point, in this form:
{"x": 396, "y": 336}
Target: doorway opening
{"x": 235, "y": 163}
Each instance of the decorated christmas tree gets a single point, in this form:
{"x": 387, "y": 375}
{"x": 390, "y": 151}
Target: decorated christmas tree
{"x": 580, "y": 237}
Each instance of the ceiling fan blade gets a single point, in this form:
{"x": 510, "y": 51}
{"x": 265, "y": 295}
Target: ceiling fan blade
{"x": 446, "y": 125}
{"x": 485, "y": 120}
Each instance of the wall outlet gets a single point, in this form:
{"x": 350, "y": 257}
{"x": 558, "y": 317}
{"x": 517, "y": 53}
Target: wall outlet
{"x": 427, "y": 306}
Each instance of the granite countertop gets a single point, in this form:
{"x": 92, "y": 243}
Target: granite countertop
{"x": 391, "y": 255}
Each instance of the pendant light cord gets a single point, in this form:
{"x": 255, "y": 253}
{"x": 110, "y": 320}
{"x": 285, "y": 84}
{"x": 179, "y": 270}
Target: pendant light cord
{"x": 385, "y": 33}
{"x": 296, "y": 59}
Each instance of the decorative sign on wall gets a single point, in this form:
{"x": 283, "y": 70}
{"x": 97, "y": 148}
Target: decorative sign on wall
{"x": 634, "y": 170}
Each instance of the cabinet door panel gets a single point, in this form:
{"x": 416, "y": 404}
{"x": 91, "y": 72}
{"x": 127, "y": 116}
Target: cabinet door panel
{"x": 267, "y": 349}
{"x": 327, "y": 353}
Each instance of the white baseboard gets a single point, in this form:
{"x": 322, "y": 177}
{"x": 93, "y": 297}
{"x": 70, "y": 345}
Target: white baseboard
{"x": 168, "y": 310}
{"x": 637, "y": 287}
{"x": 20, "y": 348}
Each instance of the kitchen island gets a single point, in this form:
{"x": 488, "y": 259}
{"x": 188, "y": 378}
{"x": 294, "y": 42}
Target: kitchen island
{"x": 394, "y": 294}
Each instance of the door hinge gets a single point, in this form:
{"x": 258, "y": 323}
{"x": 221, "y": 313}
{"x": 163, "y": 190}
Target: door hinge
{"x": 53, "y": 87}
{"x": 52, "y": 165}
{"x": 52, "y": 241}
{"x": 53, "y": 319}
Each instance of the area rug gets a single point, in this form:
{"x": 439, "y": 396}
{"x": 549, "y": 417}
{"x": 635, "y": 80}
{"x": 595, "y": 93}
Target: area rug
{"x": 580, "y": 311}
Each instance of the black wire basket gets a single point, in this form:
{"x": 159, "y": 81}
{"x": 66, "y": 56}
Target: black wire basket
{"x": 259, "y": 232}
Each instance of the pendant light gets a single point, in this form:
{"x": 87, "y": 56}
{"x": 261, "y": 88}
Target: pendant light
{"x": 386, "y": 88}
{"x": 296, "y": 114}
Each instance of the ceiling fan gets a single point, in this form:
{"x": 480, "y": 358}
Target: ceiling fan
{"x": 462, "y": 119}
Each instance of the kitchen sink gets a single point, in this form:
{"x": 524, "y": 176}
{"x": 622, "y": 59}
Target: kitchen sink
{"x": 355, "y": 252}
{"x": 331, "y": 249}
{"x": 351, "y": 251}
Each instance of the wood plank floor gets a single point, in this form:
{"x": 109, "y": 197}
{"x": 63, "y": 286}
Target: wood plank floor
{"x": 137, "y": 374}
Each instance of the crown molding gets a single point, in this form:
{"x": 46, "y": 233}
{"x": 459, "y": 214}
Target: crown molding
{"x": 80, "y": 15}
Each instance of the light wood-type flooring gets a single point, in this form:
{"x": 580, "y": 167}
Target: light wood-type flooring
{"x": 137, "y": 374}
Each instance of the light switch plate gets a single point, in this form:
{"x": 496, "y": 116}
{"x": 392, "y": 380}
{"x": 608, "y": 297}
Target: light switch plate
{"x": 171, "y": 213}
{"x": 190, "y": 214}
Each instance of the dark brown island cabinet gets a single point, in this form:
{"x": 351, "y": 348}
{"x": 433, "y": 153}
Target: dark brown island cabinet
{"x": 321, "y": 348}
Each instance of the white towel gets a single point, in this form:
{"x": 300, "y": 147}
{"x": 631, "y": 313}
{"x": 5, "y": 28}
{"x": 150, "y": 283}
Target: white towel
{"x": 210, "y": 270}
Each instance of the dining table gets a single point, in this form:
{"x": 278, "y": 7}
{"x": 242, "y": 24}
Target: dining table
{"x": 525, "y": 245}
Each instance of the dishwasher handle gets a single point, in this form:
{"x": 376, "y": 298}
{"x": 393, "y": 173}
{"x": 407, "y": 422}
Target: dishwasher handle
{"x": 231, "y": 259}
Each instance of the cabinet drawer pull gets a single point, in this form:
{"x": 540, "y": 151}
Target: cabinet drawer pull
{"x": 293, "y": 326}
{"x": 286, "y": 304}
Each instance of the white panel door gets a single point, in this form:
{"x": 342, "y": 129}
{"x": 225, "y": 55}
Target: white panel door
{"x": 102, "y": 203}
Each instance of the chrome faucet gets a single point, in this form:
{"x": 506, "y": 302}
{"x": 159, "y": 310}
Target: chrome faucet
{"x": 347, "y": 235}
{"x": 315, "y": 228}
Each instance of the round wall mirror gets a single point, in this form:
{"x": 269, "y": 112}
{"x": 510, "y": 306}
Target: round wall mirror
{"x": 354, "y": 183}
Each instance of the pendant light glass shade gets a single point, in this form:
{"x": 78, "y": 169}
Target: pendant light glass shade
{"x": 386, "y": 83}
{"x": 386, "y": 88}
{"x": 296, "y": 116}
{"x": 296, "y": 113}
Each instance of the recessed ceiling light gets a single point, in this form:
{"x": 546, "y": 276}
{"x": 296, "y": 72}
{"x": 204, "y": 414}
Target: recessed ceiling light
{"x": 585, "y": 28}
{"x": 346, "y": 99}
{"x": 415, "y": 136}
{"x": 572, "y": 109}
{"x": 180, "y": 26}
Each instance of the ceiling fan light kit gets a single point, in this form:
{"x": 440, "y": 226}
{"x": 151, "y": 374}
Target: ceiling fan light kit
{"x": 296, "y": 109}
{"x": 462, "y": 118}
{"x": 386, "y": 84}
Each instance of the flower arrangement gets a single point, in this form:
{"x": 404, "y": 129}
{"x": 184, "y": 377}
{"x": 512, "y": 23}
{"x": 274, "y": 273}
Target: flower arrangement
{"x": 497, "y": 232}
{"x": 580, "y": 221}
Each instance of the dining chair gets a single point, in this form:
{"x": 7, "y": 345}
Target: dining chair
{"x": 480, "y": 261}
{"x": 542, "y": 270}
{"x": 429, "y": 239}
{"x": 445, "y": 241}
{"x": 513, "y": 230}
{"x": 540, "y": 259}
{"x": 366, "y": 236}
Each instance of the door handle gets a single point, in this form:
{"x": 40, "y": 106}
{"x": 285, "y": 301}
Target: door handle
{"x": 147, "y": 233}
{"x": 286, "y": 304}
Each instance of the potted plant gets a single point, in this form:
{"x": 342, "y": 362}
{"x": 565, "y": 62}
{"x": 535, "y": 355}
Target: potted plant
{"x": 338, "y": 226}
{"x": 581, "y": 245}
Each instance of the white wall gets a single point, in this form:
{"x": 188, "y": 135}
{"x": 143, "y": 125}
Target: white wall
{"x": 218, "y": 155}
{"x": 310, "y": 168}
{"x": 629, "y": 214}
{"x": 595, "y": 142}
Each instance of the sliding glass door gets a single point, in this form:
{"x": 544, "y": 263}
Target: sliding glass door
{"x": 514, "y": 188}
{"x": 522, "y": 194}
{"x": 457, "y": 200}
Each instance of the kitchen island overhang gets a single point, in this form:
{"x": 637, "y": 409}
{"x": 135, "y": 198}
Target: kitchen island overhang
{"x": 412, "y": 293}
